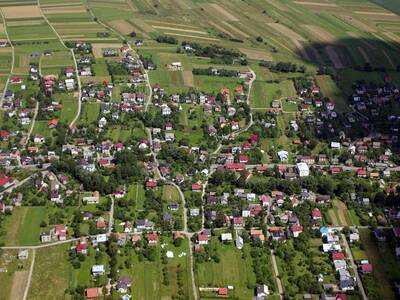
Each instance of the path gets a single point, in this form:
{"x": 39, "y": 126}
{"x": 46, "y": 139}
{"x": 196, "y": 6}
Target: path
{"x": 349, "y": 255}
{"x": 28, "y": 284}
{"x": 12, "y": 60}
{"x": 71, "y": 125}
{"x": 278, "y": 280}
{"x": 111, "y": 219}
{"x": 32, "y": 125}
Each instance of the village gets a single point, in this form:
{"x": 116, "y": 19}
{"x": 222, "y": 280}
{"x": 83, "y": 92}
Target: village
{"x": 142, "y": 164}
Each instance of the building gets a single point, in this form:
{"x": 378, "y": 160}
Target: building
{"x": 303, "y": 169}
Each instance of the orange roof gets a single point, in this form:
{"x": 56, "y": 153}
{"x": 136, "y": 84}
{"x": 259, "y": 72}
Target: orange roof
{"x": 92, "y": 293}
{"x": 53, "y": 122}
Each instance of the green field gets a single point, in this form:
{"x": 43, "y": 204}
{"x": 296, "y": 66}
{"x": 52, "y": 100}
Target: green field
{"x": 384, "y": 269}
{"x": 16, "y": 226}
{"x": 233, "y": 269}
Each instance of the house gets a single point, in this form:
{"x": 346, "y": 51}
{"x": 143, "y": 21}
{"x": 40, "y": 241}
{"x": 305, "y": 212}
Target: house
{"x": 53, "y": 123}
{"x": 226, "y": 237}
{"x": 197, "y": 187}
{"x": 365, "y": 268}
{"x": 222, "y": 292}
{"x": 23, "y": 254}
{"x": 92, "y": 199}
{"x": 123, "y": 284}
{"x": 238, "y": 222}
{"x": 303, "y": 169}
{"x": 70, "y": 84}
{"x": 102, "y": 122}
{"x": 4, "y": 135}
{"x": 296, "y": 230}
{"x": 202, "y": 239}
{"x": 93, "y": 293}
{"x": 152, "y": 238}
{"x": 39, "y": 139}
{"x": 283, "y": 155}
{"x": 257, "y": 235}
{"x": 98, "y": 270}
{"x": 316, "y": 214}
{"x": 262, "y": 291}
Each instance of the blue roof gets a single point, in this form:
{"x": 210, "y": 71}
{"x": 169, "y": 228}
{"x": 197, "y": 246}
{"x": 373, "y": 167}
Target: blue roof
{"x": 324, "y": 230}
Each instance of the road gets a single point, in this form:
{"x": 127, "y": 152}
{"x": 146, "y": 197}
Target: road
{"x": 71, "y": 125}
{"x": 28, "y": 284}
{"x": 344, "y": 167}
{"x": 349, "y": 255}
{"x": 32, "y": 125}
{"x": 278, "y": 280}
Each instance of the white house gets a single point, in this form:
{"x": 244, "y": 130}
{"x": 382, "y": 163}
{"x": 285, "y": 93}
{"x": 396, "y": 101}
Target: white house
{"x": 226, "y": 237}
{"x": 283, "y": 155}
{"x": 70, "y": 84}
{"x": 98, "y": 270}
{"x": 303, "y": 169}
{"x": 102, "y": 122}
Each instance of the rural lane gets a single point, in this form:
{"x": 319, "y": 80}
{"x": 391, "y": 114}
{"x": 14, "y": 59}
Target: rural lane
{"x": 28, "y": 284}
{"x": 349, "y": 254}
{"x": 276, "y": 271}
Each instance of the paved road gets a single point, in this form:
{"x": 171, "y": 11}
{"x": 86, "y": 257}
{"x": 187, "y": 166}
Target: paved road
{"x": 349, "y": 255}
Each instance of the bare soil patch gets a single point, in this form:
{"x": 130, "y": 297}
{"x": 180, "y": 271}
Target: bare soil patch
{"x": 192, "y": 36}
{"x": 316, "y": 3}
{"x": 188, "y": 79}
{"x": 392, "y": 36}
{"x": 122, "y": 26}
{"x": 375, "y": 13}
{"x": 220, "y": 12}
{"x": 256, "y": 54}
{"x": 64, "y": 10}
{"x": 179, "y": 29}
{"x": 20, "y": 280}
{"x": 21, "y": 12}
{"x": 25, "y": 23}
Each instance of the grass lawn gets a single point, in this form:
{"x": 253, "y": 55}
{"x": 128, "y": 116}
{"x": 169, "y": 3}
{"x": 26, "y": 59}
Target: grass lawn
{"x": 90, "y": 112}
{"x": 385, "y": 270}
{"x": 14, "y": 280}
{"x": 330, "y": 89}
{"x": 23, "y": 227}
{"x": 69, "y": 107}
{"x": 233, "y": 269}
{"x": 50, "y": 266}
{"x": 136, "y": 192}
